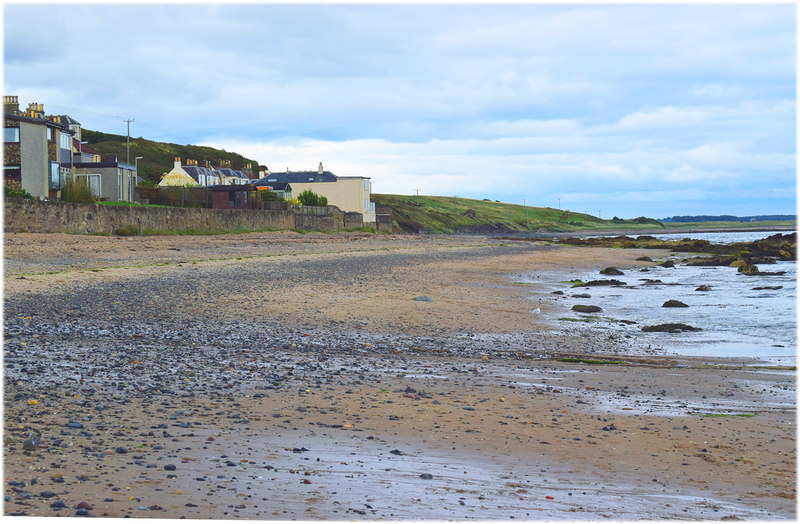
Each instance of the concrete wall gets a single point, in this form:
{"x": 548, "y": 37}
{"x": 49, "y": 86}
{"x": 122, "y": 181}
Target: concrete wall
{"x": 34, "y": 158}
{"x": 35, "y": 216}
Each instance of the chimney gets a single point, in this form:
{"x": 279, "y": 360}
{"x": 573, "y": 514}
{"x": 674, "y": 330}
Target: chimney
{"x": 34, "y": 110}
{"x": 319, "y": 169}
{"x": 11, "y": 104}
{"x": 177, "y": 161}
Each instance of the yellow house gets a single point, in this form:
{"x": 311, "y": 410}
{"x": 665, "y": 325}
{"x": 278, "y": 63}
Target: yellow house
{"x": 348, "y": 193}
{"x": 177, "y": 177}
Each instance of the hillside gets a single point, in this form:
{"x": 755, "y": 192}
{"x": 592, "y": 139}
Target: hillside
{"x": 159, "y": 157}
{"x": 464, "y": 215}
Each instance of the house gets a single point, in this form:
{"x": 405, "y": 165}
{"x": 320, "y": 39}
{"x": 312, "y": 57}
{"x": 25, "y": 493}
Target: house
{"x": 283, "y": 189}
{"x": 84, "y": 152}
{"x": 109, "y": 179}
{"x": 348, "y": 193}
{"x": 202, "y": 175}
{"x": 177, "y": 177}
{"x": 37, "y": 150}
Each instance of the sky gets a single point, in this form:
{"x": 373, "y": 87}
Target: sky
{"x": 613, "y": 109}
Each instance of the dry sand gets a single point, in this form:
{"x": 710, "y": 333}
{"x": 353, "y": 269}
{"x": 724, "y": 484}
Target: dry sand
{"x": 345, "y": 422}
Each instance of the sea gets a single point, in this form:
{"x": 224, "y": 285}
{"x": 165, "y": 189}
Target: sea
{"x": 741, "y": 316}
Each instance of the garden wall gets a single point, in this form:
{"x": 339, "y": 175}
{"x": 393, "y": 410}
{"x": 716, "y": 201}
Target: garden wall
{"x": 23, "y": 215}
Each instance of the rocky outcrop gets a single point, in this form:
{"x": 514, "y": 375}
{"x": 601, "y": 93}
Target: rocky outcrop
{"x": 586, "y": 309}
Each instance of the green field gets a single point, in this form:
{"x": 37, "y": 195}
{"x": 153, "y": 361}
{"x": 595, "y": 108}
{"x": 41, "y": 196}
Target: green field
{"x": 438, "y": 214}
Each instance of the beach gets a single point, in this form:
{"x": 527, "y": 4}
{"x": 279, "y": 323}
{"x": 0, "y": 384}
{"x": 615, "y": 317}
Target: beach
{"x": 282, "y": 375}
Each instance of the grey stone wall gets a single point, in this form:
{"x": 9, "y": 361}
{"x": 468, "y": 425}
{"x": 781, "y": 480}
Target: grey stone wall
{"x": 37, "y": 216}
{"x": 34, "y": 216}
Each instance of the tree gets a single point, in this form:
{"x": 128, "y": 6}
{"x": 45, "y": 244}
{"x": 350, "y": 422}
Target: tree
{"x": 309, "y": 198}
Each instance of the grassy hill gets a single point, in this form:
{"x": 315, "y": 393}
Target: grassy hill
{"x": 449, "y": 215}
{"x": 463, "y": 215}
{"x": 158, "y": 157}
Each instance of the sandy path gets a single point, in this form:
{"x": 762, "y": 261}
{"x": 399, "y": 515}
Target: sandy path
{"x": 500, "y": 436}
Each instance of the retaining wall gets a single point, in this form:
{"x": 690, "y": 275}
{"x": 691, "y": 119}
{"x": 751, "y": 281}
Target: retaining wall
{"x": 37, "y": 216}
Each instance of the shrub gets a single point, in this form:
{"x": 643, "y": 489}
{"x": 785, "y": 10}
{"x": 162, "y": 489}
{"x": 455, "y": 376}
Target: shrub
{"x": 77, "y": 190}
{"x": 269, "y": 196}
{"x": 17, "y": 193}
{"x": 309, "y": 198}
{"x": 126, "y": 231}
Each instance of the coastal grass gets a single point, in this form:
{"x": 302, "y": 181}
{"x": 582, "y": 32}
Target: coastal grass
{"x": 446, "y": 214}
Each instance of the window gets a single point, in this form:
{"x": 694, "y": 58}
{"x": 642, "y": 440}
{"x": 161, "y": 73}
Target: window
{"x": 93, "y": 180}
{"x": 50, "y": 131}
{"x": 11, "y": 172}
{"x": 66, "y": 141}
{"x": 366, "y": 203}
{"x": 372, "y": 207}
{"x": 366, "y": 184}
{"x": 119, "y": 187}
{"x": 55, "y": 176}
{"x": 11, "y": 134}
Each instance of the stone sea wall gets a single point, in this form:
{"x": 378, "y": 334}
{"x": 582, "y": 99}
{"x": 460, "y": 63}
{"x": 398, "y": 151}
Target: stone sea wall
{"x": 34, "y": 216}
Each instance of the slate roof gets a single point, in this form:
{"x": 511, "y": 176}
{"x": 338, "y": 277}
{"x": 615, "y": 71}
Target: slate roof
{"x": 276, "y": 186}
{"x": 294, "y": 177}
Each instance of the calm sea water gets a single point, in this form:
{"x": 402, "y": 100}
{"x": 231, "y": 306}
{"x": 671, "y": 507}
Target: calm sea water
{"x": 737, "y": 319}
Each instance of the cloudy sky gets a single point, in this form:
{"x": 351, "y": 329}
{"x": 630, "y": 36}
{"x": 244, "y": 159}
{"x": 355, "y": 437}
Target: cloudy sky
{"x": 625, "y": 109}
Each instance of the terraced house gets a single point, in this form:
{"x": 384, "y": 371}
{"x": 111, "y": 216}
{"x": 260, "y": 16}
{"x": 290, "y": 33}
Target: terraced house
{"x": 37, "y": 149}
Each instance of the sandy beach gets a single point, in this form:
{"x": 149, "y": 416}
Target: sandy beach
{"x": 279, "y": 375}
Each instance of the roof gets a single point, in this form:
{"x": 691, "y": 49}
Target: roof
{"x": 105, "y": 163}
{"x": 66, "y": 119}
{"x": 177, "y": 178}
{"x": 294, "y": 177}
{"x": 276, "y": 186}
{"x": 42, "y": 121}
{"x": 84, "y": 148}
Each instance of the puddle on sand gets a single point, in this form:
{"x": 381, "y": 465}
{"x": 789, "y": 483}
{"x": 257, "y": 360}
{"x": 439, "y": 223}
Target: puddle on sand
{"x": 348, "y": 476}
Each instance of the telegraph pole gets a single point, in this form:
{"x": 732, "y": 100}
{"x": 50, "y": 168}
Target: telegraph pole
{"x": 128, "y": 158}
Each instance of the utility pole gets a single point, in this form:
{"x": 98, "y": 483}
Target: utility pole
{"x": 417, "y": 190}
{"x": 598, "y": 213}
{"x": 128, "y": 158}
{"x": 525, "y": 205}
{"x": 559, "y": 204}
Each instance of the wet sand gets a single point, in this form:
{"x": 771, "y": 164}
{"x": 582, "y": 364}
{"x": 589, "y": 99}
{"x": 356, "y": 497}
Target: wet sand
{"x": 289, "y": 376}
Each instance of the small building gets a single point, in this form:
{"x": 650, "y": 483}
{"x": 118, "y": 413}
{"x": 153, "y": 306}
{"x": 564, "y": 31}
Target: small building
{"x": 229, "y": 196}
{"x": 282, "y": 189}
{"x": 37, "y": 150}
{"x": 109, "y": 179}
{"x": 350, "y": 194}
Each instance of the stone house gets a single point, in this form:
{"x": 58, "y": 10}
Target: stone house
{"x": 37, "y": 149}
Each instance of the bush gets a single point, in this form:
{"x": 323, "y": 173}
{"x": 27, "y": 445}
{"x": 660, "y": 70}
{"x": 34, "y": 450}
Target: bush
{"x": 269, "y": 196}
{"x": 17, "y": 193}
{"x": 126, "y": 231}
{"x": 77, "y": 190}
{"x": 309, "y": 198}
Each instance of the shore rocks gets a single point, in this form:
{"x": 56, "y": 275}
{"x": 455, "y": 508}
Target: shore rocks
{"x": 423, "y": 298}
{"x": 586, "y": 309}
{"x": 670, "y": 328}
{"x": 611, "y": 271}
{"x": 704, "y": 287}
{"x": 674, "y": 303}
{"x": 610, "y": 282}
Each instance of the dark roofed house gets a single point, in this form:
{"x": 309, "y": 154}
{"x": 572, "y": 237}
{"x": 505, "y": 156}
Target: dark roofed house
{"x": 37, "y": 149}
{"x": 283, "y": 189}
{"x": 301, "y": 176}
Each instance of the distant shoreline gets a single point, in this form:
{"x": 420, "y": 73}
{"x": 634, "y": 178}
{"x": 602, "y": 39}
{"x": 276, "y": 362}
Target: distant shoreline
{"x": 636, "y": 232}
